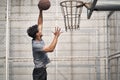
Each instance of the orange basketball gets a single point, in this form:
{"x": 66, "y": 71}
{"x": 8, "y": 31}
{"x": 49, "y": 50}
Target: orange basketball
{"x": 44, "y": 4}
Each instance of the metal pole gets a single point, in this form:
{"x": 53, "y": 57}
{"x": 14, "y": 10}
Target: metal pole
{"x": 89, "y": 55}
{"x": 7, "y": 42}
{"x": 118, "y": 69}
{"x": 106, "y": 51}
{"x": 108, "y": 6}
{"x": 105, "y": 68}
{"x": 71, "y": 40}
{"x": 56, "y": 53}
{"x": 108, "y": 44}
{"x": 98, "y": 59}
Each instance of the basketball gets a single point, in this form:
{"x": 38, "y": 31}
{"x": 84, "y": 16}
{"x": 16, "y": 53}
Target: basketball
{"x": 44, "y": 4}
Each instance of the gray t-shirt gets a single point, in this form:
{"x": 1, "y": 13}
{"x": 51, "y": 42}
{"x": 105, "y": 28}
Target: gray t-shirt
{"x": 40, "y": 57}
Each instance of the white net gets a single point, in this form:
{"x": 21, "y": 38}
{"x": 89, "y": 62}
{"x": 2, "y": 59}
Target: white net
{"x": 72, "y": 12}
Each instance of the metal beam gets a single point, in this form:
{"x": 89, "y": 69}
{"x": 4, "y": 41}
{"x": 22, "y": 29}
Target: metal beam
{"x": 102, "y": 6}
{"x": 108, "y": 6}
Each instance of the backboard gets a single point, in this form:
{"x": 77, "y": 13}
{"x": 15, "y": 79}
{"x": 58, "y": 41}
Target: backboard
{"x": 90, "y": 7}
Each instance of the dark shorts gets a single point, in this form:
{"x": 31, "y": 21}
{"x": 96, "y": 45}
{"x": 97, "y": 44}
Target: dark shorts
{"x": 39, "y": 74}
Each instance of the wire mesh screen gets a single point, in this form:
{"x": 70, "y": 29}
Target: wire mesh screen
{"x": 78, "y": 55}
{"x": 2, "y": 38}
{"x": 72, "y": 12}
{"x": 114, "y": 35}
{"x": 114, "y": 46}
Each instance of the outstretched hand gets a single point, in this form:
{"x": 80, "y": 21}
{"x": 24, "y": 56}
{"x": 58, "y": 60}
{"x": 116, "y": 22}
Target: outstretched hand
{"x": 57, "y": 31}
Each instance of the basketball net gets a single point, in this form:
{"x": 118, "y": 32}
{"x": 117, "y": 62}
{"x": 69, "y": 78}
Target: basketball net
{"x": 72, "y": 12}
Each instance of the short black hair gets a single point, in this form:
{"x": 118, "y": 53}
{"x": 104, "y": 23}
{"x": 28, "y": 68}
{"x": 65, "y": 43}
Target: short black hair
{"x": 31, "y": 31}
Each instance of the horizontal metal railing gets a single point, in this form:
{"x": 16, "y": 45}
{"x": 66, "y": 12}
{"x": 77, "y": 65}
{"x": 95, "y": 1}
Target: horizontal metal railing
{"x": 114, "y": 66}
{"x": 57, "y": 58}
{"x": 113, "y": 56}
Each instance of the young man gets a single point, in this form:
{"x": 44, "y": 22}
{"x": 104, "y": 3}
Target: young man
{"x": 40, "y": 50}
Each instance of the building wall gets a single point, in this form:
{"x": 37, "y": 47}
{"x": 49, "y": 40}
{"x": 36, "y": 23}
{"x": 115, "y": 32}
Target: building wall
{"x": 80, "y": 54}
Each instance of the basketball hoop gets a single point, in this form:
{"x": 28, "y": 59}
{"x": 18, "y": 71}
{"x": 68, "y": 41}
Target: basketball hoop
{"x": 72, "y": 12}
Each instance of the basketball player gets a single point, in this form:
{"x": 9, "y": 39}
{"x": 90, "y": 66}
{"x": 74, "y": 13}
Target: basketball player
{"x": 40, "y": 49}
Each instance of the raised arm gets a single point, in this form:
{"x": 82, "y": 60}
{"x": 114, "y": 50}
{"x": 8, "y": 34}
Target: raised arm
{"x": 40, "y": 21}
{"x": 52, "y": 45}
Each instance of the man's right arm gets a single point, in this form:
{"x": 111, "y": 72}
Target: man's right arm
{"x": 52, "y": 46}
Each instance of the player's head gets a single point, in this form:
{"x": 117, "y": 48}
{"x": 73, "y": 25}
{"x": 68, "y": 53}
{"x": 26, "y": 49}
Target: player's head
{"x": 31, "y": 31}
